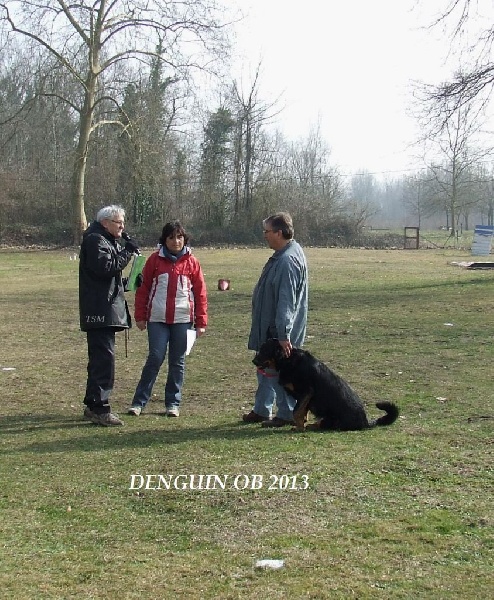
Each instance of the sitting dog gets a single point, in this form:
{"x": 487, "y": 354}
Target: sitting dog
{"x": 317, "y": 389}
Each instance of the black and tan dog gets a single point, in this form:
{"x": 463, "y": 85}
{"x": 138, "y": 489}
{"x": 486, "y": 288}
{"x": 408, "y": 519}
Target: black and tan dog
{"x": 319, "y": 390}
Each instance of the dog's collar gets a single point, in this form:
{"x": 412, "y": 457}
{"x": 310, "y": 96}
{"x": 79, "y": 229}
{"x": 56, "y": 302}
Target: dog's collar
{"x": 261, "y": 371}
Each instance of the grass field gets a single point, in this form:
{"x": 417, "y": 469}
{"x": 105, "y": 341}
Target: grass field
{"x": 398, "y": 512}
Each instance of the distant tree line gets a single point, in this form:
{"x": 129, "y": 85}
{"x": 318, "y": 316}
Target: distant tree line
{"x": 101, "y": 109}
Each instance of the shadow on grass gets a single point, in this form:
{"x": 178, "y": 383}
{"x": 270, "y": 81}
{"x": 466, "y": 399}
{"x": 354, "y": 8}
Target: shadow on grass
{"x": 97, "y": 438}
{"x": 15, "y": 424}
{"x": 388, "y": 294}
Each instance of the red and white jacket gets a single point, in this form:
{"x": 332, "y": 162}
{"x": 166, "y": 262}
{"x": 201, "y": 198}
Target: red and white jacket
{"x": 172, "y": 292}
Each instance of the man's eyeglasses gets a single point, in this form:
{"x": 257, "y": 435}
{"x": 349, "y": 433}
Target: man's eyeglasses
{"x": 267, "y": 230}
{"x": 122, "y": 223}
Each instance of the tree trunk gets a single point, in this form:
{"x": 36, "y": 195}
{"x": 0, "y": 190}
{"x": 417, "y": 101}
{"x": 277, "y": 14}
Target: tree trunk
{"x": 248, "y": 162}
{"x": 80, "y": 161}
{"x": 453, "y": 206}
{"x": 238, "y": 169}
{"x": 79, "y": 221}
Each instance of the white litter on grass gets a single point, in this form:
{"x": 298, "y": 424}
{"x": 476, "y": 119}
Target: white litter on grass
{"x": 8, "y": 368}
{"x": 449, "y": 324}
{"x": 270, "y": 564}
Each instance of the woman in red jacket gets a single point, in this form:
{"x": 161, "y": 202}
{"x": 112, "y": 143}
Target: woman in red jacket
{"x": 171, "y": 299}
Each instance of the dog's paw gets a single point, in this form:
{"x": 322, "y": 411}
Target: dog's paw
{"x": 313, "y": 426}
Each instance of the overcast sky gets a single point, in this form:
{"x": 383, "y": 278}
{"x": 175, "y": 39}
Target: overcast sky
{"x": 348, "y": 66}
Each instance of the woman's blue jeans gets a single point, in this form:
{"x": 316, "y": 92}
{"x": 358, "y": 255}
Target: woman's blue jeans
{"x": 161, "y": 337}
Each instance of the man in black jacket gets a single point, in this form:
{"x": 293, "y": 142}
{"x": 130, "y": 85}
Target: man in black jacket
{"x": 102, "y": 305}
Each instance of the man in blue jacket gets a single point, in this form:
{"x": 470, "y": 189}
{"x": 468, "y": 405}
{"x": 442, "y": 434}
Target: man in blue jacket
{"x": 102, "y": 306}
{"x": 279, "y": 310}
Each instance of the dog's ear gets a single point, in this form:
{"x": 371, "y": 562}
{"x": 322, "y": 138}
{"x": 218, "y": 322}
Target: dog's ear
{"x": 271, "y": 345}
{"x": 278, "y": 351}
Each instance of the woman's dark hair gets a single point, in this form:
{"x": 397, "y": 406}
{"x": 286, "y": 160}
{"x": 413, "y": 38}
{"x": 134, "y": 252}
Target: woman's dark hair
{"x": 171, "y": 228}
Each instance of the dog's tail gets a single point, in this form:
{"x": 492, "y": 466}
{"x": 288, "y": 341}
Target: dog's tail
{"x": 391, "y": 415}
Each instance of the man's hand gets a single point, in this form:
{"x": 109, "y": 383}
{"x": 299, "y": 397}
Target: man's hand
{"x": 132, "y": 246}
{"x": 141, "y": 325}
{"x": 287, "y": 347}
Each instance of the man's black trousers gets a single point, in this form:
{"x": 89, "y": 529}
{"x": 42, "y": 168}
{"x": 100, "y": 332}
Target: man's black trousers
{"x": 100, "y": 369}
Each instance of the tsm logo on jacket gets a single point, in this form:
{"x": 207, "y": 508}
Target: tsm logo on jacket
{"x": 95, "y": 319}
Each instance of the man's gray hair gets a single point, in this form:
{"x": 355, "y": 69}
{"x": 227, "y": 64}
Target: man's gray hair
{"x": 283, "y": 222}
{"x": 110, "y": 212}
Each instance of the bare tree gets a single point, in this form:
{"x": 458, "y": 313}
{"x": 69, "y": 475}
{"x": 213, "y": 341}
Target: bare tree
{"x": 89, "y": 39}
{"x": 417, "y": 196}
{"x": 251, "y": 114}
{"x": 362, "y": 202}
{"x": 474, "y": 78}
{"x": 454, "y": 136}
{"x": 485, "y": 192}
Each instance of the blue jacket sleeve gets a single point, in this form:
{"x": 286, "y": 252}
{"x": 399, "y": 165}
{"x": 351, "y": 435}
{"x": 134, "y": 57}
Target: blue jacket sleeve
{"x": 288, "y": 282}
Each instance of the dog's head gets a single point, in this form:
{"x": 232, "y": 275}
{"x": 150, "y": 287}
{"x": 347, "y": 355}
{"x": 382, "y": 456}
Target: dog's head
{"x": 269, "y": 355}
